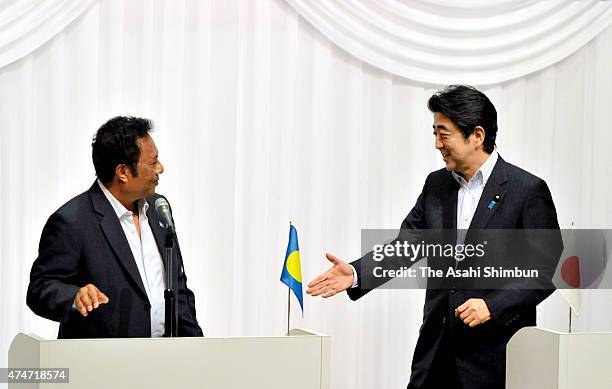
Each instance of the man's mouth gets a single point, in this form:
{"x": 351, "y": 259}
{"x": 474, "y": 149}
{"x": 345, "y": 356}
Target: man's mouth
{"x": 444, "y": 154}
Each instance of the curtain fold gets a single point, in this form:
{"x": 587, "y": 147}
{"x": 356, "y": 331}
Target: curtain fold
{"x": 443, "y": 42}
{"x": 25, "y": 25}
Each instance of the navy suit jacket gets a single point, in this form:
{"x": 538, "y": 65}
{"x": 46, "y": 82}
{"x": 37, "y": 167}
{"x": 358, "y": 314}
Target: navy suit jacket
{"x": 479, "y": 352}
{"x": 83, "y": 243}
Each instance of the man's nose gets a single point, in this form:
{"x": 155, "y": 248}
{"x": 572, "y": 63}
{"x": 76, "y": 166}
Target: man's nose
{"x": 438, "y": 143}
{"x": 160, "y": 168}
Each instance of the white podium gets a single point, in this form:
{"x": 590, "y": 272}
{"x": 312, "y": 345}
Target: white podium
{"x": 300, "y": 360}
{"x": 543, "y": 359}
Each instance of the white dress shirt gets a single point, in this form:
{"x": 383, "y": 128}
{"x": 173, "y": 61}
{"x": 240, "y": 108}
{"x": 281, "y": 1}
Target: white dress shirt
{"x": 469, "y": 194}
{"x": 467, "y": 199}
{"x": 147, "y": 257}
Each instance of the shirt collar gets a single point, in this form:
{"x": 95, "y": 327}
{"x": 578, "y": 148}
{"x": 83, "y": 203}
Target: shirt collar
{"x": 484, "y": 172}
{"x": 119, "y": 209}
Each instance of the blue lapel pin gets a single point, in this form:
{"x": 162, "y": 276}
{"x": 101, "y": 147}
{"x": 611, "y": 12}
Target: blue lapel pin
{"x": 161, "y": 224}
{"x": 494, "y": 202}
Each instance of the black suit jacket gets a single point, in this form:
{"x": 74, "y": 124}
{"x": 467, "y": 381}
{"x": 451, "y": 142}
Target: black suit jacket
{"x": 479, "y": 352}
{"x": 83, "y": 243}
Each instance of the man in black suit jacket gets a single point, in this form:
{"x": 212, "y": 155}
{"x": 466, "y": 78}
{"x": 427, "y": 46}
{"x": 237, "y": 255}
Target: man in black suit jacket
{"x": 99, "y": 271}
{"x": 462, "y": 341}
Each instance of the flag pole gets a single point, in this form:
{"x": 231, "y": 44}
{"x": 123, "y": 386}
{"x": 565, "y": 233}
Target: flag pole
{"x": 289, "y": 297}
{"x": 570, "y": 305}
{"x": 288, "y": 308}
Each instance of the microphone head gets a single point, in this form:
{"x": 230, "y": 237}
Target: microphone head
{"x": 163, "y": 210}
{"x": 161, "y": 202}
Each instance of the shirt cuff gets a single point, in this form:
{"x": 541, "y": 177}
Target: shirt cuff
{"x": 355, "y": 280}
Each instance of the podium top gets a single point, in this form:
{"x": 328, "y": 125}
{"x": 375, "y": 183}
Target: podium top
{"x": 537, "y": 358}
{"x": 273, "y": 362}
{"x": 292, "y": 333}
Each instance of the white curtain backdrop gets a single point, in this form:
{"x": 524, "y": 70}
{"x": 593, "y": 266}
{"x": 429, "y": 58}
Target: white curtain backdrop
{"x": 26, "y": 24}
{"x": 262, "y": 120}
{"x": 447, "y": 41}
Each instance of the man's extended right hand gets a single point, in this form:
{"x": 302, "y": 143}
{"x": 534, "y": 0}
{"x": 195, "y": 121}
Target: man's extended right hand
{"x": 89, "y": 298}
{"x": 337, "y": 279}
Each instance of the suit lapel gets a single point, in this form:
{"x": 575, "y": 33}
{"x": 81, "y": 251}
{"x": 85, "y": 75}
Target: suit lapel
{"x": 449, "y": 209}
{"x": 449, "y": 212}
{"x": 493, "y": 188}
{"x": 111, "y": 227}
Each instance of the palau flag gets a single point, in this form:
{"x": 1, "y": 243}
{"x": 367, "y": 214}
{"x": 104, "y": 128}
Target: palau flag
{"x": 292, "y": 270}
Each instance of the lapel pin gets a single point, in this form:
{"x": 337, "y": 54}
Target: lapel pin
{"x": 161, "y": 224}
{"x": 495, "y": 200}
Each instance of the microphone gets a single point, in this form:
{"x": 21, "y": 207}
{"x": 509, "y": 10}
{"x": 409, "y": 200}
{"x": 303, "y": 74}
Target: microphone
{"x": 170, "y": 303}
{"x": 163, "y": 210}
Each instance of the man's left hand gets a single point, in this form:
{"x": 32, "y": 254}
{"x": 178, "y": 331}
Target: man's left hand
{"x": 473, "y": 312}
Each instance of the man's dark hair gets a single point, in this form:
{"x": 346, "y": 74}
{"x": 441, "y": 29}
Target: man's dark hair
{"x": 116, "y": 143}
{"x": 467, "y": 107}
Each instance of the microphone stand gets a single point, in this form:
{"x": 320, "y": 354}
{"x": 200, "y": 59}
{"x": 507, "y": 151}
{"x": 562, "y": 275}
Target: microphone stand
{"x": 171, "y": 322}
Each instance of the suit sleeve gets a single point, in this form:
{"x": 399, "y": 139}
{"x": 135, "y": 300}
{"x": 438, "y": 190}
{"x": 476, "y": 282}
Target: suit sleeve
{"x": 364, "y": 265}
{"x": 538, "y": 213}
{"x": 53, "y": 278}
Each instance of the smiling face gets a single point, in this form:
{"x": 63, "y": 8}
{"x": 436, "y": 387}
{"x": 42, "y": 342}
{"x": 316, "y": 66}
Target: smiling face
{"x": 461, "y": 155}
{"x": 148, "y": 170}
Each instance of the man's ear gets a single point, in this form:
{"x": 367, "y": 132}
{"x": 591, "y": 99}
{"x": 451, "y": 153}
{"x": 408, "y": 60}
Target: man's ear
{"x": 121, "y": 172}
{"x": 479, "y": 136}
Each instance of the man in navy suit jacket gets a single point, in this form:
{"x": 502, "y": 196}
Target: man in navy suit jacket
{"x": 99, "y": 271}
{"x": 462, "y": 341}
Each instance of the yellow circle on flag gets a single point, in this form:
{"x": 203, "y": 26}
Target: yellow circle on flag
{"x": 293, "y": 266}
